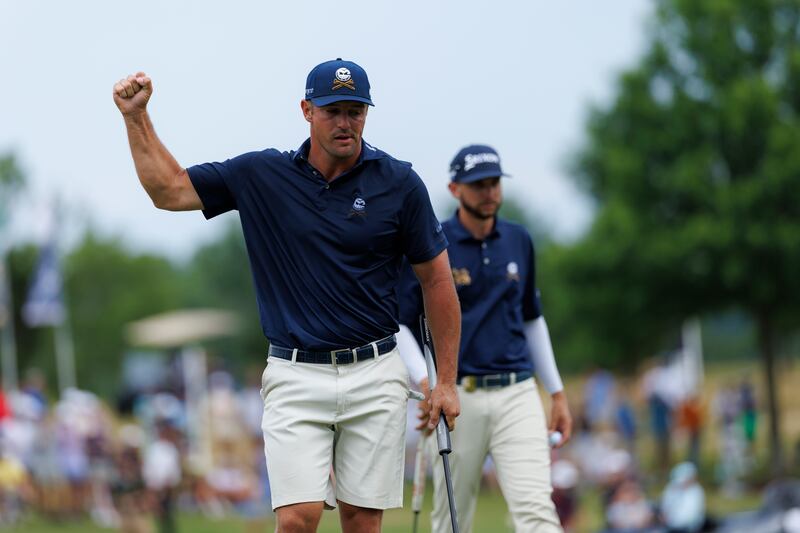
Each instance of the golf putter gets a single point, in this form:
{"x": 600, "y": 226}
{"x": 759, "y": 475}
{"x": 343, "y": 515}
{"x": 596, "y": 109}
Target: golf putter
{"x": 442, "y": 431}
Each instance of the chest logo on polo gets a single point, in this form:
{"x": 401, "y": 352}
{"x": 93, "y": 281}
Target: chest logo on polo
{"x": 359, "y": 207}
{"x": 343, "y": 79}
{"x": 512, "y": 271}
{"x": 461, "y": 277}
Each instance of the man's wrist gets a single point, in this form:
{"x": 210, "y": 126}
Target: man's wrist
{"x": 446, "y": 380}
{"x": 137, "y": 117}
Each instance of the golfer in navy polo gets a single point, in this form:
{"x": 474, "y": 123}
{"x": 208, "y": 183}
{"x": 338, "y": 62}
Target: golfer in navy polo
{"x": 326, "y": 228}
{"x": 504, "y": 341}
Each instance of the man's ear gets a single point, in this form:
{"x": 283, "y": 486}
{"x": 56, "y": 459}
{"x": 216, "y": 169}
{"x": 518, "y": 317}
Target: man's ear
{"x": 454, "y": 190}
{"x": 308, "y": 109}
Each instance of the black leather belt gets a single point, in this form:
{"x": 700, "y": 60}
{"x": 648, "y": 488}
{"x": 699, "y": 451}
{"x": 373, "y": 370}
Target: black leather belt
{"x": 343, "y": 356}
{"x": 493, "y": 381}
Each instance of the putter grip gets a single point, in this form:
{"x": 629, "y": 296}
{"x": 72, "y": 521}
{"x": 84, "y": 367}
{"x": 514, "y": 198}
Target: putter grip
{"x": 442, "y": 431}
{"x": 443, "y": 436}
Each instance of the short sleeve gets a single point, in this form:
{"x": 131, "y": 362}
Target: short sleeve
{"x": 531, "y": 302}
{"x": 422, "y": 234}
{"x": 218, "y": 184}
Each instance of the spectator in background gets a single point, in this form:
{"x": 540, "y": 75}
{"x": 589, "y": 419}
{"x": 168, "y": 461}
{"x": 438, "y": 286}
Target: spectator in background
{"x": 732, "y": 460}
{"x": 748, "y": 413}
{"x": 5, "y": 409}
{"x": 656, "y": 388}
{"x": 34, "y": 386}
{"x": 598, "y": 393}
{"x": 251, "y": 407}
{"x": 73, "y": 462}
{"x": 683, "y": 504}
{"x": 690, "y": 418}
{"x": 131, "y": 499}
{"x": 629, "y": 508}
{"x": 626, "y": 424}
{"x": 162, "y": 474}
{"x": 565, "y": 477}
{"x": 233, "y": 479}
{"x": 15, "y": 488}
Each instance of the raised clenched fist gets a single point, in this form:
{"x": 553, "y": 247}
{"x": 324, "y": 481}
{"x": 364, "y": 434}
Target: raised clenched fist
{"x": 131, "y": 94}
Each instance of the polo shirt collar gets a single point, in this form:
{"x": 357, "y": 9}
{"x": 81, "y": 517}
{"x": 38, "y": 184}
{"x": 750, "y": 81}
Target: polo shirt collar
{"x": 459, "y": 233}
{"x": 368, "y": 152}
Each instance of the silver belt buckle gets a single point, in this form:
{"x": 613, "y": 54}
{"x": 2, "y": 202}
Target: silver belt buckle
{"x": 335, "y": 356}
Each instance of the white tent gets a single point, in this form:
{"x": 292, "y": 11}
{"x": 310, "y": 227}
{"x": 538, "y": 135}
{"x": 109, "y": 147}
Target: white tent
{"x": 181, "y": 328}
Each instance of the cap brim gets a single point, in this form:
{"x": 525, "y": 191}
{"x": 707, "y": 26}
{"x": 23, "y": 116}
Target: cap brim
{"x": 481, "y": 175}
{"x": 326, "y": 100}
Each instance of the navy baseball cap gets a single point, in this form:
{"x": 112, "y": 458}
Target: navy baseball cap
{"x": 337, "y": 80}
{"x": 475, "y": 162}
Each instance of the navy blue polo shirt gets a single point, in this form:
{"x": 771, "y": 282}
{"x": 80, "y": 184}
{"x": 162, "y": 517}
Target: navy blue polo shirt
{"x": 496, "y": 283}
{"x": 325, "y": 256}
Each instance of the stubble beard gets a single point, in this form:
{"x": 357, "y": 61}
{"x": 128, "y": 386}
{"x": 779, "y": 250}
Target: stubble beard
{"x": 477, "y": 213}
{"x": 344, "y": 153}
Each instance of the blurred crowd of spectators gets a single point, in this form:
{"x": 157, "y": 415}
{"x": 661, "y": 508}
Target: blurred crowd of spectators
{"x": 665, "y": 492}
{"x": 77, "y": 458}
{"x": 134, "y": 467}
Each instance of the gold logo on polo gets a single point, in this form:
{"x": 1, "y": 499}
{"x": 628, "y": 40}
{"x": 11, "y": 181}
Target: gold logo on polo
{"x": 343, "y": 79}
{"x": 461, "y": 277}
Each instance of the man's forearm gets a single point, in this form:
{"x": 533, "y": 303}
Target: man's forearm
{"x": 444, "y": 317}
{"x": 156, "y": 167}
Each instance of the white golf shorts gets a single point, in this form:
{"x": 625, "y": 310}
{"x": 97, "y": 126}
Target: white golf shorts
{"x": 349, "y": 419}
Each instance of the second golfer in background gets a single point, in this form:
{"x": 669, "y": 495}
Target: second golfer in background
{"x": 504, "y": 341}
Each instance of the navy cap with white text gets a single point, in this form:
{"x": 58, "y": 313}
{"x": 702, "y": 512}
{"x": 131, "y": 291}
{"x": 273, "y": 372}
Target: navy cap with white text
{"x": 475, "y": 162}
{"x": 335, "y": 81}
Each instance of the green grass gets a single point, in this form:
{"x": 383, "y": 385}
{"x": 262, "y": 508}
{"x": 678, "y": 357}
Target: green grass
{"x": 491, "y": 516}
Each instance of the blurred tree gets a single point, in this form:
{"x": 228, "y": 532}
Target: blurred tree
{"x": 514, "y": 211}
{"x": 12, "y": 180}
{"x": 21, "y": 261}
{"x": 694, "y": 167}
{"x": 218, "y": 275}
{"x": 107, "y": 286}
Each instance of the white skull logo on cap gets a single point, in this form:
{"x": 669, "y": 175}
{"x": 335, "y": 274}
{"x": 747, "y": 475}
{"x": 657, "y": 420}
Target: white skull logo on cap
{"x": 343, "y": 74}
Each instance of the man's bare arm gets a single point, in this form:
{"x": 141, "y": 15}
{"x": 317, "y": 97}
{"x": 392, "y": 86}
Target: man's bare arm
{"x": 444, "y": 317}
{"x": 166, "y": 182}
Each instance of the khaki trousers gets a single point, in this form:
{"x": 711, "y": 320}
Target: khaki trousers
{"x": 508, "y": 423}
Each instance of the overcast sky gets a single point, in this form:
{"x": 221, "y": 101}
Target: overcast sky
{"x": 228, "y": 78}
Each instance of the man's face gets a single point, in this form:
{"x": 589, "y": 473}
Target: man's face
{"x": 337, "y": 127}
{"x": 481, "y": 198}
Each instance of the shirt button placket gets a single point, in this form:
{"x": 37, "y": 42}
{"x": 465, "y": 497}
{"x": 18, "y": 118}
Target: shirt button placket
{"x": 322, "y": 196}
{"x": 485, "y": 260}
